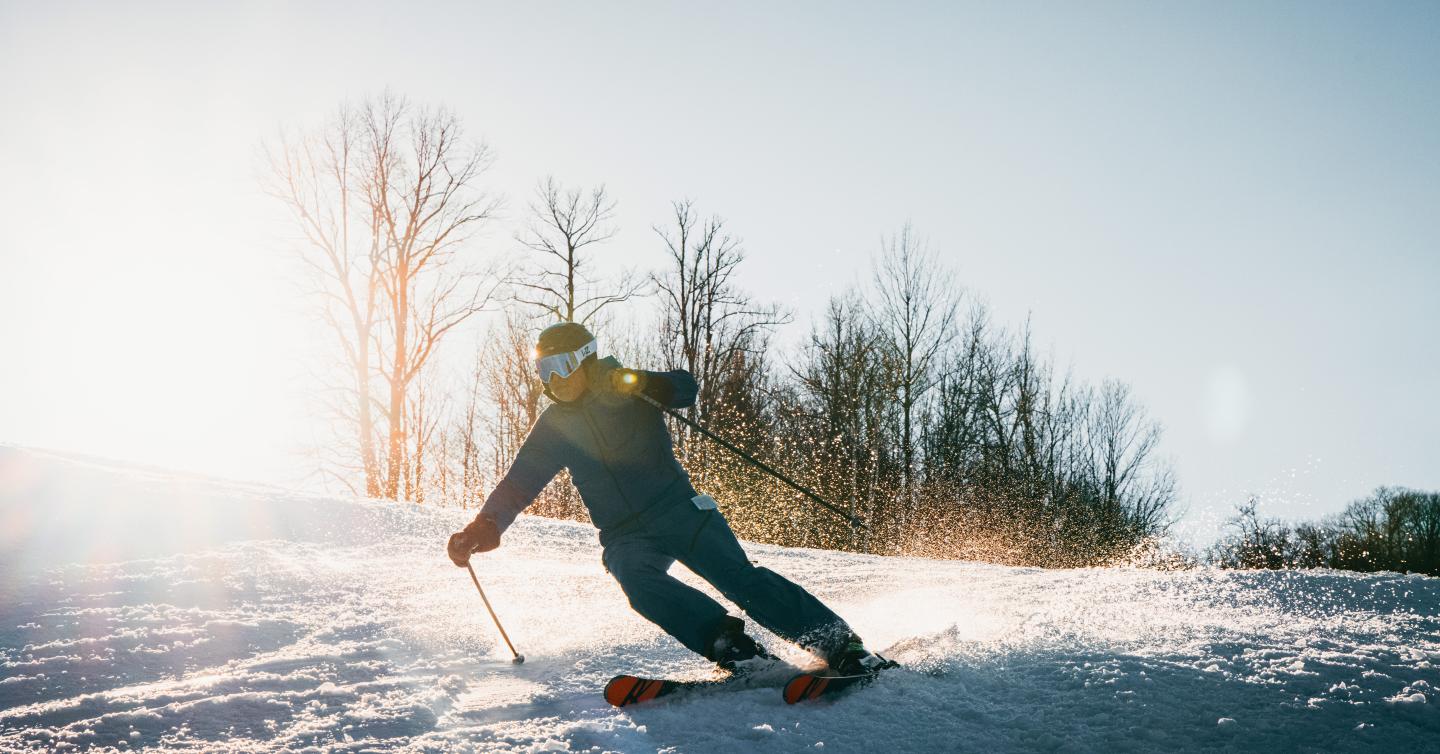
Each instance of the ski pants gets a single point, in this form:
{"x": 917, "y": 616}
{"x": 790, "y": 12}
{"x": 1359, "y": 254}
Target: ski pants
{"x": 702, "y": 540}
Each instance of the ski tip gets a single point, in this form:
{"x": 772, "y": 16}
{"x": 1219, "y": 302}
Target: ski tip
{"x": 628, "y": 689}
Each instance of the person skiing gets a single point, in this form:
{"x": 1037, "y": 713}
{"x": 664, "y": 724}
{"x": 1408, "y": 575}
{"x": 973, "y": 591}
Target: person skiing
{"x": 618, "y": 450}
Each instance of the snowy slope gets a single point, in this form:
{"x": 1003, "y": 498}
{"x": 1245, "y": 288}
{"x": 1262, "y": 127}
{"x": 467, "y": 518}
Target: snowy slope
{"x": 145, "y": 610}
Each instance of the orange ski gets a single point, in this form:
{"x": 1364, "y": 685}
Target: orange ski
{"x": 807, "y": 686}
{"x": 624, "y": 690}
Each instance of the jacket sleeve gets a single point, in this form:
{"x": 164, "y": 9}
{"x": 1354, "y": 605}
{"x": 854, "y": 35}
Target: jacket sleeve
{"x": 673, "y": 389}
{"x": 535, "y": 465}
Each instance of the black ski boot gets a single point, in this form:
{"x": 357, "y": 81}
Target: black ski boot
{"x": 735, "y": 652}
{"x": 852, "y": 658}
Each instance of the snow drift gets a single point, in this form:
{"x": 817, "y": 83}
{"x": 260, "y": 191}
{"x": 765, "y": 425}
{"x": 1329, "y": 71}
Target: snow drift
{"x": 140, "y": 609}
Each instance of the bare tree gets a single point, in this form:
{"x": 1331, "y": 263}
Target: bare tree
{"x": 563, "y": 223}
{"x": 955, "y": 430}
{"x": 1064, "y": 471}
{"x": 918, "y": 311}
{"x": 468, "y": 438}
{"x": 709, "y": 325}
{"x": 426, "y": 460}
{"x": 1392, "y": 529}
{"x": 1134, "y": 486}
{"x": 317, "y": 177}
{"x": 846, "y": 402}
{"x": 1255, "y": 542}
{"x": 387, "y": 197}
{"x": 514, "y": 391}
{"x": 422, "y": 185}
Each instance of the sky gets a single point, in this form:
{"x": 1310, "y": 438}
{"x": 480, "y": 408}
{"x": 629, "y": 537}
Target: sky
{"x": 1231, "y": 206}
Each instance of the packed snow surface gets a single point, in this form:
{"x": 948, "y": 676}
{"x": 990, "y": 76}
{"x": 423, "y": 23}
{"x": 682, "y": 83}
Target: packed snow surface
{"x": 145, "y": 610}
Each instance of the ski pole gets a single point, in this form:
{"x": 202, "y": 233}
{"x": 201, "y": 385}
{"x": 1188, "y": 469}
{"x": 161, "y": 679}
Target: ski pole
{"x": 850, "y": 517}
{"x": 519, "y": 658}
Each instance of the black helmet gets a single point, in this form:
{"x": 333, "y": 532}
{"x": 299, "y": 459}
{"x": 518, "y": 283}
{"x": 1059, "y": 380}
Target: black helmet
{"x": 562, "y": 337}
{"x": 562, "y": 349}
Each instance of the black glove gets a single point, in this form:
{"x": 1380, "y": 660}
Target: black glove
{"x": 626, "y": 381}
{"x": 653, "y": 385}
{"x": 481, "y": 535}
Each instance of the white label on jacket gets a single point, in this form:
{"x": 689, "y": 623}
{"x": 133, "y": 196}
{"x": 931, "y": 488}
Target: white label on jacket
{"x": 704, "y": 502}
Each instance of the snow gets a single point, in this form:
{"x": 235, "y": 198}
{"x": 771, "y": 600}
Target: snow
{"x": 145, "y": 610}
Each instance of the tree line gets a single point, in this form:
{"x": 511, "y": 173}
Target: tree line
{"x": 1392, "y": 529}
{"x": 905, "y": 404}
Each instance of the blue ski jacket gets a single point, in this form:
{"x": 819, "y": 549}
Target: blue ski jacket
{"x": 617, "y": 448}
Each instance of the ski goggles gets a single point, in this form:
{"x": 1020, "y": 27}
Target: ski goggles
{"x": 563, "y": 364}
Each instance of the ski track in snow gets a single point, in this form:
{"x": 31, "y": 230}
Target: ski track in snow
{"x": 145, "y": 610}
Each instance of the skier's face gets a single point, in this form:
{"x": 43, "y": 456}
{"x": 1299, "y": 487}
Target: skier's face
{"x": 569, "y": 388}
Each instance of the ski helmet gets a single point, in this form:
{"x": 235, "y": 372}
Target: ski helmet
{"x": 562, "y": 348}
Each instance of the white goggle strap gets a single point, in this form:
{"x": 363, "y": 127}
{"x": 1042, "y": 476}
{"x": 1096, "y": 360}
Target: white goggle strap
{"x": 585, "y": 352}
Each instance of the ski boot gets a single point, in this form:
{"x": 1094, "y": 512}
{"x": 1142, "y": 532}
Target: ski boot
{"x": 850, "y": 665}
{"x": 852, "y": 658}
{"x": 735, "y": 652}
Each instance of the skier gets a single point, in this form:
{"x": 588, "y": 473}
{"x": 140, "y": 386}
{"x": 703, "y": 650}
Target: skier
{"x": 619, "y": 454}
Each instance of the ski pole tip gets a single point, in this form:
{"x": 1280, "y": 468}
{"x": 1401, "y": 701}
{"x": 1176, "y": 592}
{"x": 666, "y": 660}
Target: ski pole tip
{"x": 519, "y": 660}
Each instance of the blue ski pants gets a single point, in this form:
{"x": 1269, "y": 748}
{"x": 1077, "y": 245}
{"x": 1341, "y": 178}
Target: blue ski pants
{"x": 702, "y": 540}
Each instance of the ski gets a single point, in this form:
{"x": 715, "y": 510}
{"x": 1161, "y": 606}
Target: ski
{"x": 625, "y": 690}
{"x": 807, "y": 686}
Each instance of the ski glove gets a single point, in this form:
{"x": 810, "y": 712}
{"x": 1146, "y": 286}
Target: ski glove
{"x": 626, "y": 381}
{"x": 655, "y": 385}
{"x": 480, "y": 535}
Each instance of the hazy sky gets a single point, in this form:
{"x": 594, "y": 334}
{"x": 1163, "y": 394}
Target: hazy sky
{"x": 1235, "y": 207}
